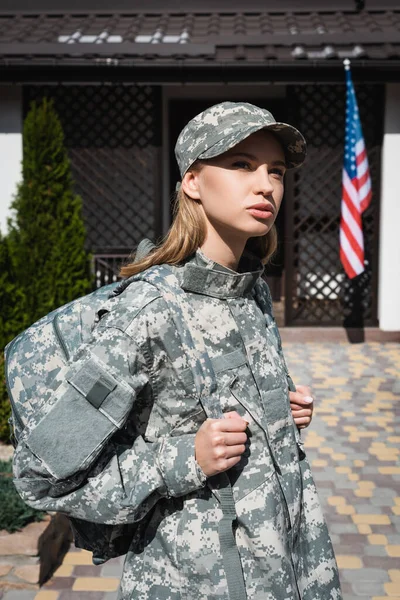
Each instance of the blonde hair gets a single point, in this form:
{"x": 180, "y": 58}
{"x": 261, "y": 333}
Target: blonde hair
{"x": 187, "y": 233}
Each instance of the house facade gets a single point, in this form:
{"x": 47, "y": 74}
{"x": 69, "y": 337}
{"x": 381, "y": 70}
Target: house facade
{"x": 125, "y": 81}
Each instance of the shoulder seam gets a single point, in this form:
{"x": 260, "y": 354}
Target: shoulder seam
{"x": 137, "y": 313}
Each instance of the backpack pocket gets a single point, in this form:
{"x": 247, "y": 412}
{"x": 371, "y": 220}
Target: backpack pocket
{"x": 91, "y": 405}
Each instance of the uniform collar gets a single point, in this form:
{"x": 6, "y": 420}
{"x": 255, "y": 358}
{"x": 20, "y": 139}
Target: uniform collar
{"x": 204, "y": 276}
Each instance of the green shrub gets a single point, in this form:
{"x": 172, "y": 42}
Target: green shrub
{"x": 14, "y": 513}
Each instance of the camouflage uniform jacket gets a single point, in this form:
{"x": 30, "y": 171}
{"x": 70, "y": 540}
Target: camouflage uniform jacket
{"x": 148, "y": 472}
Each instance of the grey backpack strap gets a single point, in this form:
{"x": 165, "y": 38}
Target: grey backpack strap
{"x": 263, "y": 298}
{"x": 183, "y": 315}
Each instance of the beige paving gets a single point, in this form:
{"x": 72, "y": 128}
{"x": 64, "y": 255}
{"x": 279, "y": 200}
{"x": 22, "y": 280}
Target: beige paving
{"x": 354, "y": 449}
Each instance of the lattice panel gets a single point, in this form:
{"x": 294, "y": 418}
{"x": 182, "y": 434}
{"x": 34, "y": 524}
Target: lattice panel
{"x": 318, "y": 288}
{"x": 112, "y": 134}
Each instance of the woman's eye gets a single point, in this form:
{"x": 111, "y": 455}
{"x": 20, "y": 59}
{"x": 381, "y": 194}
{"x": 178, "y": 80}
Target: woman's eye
{"x": 278, "y": 172}
{"x": 241, "y": 164}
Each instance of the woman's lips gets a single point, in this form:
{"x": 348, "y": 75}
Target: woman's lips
{"x": 260, "y": 213}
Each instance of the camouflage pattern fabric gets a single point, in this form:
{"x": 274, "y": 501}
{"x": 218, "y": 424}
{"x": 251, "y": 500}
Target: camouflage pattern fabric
{"x": 220, "y": 127}
{"x": 148, "y": 469}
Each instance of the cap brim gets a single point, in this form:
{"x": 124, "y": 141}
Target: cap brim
{"x": 293, "y": 142}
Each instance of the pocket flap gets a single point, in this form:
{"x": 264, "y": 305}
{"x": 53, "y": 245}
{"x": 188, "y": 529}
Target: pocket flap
{"x": 233, "y": 360}
{"x": 90, "y": 406}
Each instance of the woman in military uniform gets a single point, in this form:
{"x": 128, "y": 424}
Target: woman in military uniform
{"x": 219, "y": 486}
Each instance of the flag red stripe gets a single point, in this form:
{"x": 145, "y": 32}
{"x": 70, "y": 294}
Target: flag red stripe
{"x": 366, "y": 202}
{"x": 347, "y": 266}
{"x": 363, "y": 179}
{"x": 353, "y": 209}
{"x": 361, "y": 157}
{"x": 352, "y": 241}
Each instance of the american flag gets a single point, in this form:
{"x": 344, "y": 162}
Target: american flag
{"x": 356, "y": 186}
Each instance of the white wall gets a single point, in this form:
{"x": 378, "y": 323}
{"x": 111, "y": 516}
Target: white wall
{"x": 10, "y": 147}
{"x": 389, "y": 250}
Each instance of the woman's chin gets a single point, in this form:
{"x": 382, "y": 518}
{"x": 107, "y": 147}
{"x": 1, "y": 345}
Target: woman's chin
{"x": 259, "y": 230}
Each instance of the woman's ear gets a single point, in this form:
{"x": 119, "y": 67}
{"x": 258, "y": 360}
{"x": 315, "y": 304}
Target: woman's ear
{"x": 190, "y": 185}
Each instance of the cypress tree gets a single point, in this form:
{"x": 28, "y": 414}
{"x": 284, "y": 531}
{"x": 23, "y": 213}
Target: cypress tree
{"x": 43, "y": 263}
{"x": 11, "y": 322}
{"x": 11, "y": 297}
{"x": 46, "y": 233}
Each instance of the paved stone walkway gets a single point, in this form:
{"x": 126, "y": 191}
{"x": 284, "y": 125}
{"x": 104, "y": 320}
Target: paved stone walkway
{"x": 353, "y": 445}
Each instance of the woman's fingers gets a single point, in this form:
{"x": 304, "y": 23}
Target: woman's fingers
{"x": 232, "y": 414}
{"x": 302, "y": 420}
{"x": 300, "y": 398}
{"x": 237, "y": 450}
{"x": 301, "y": 412}
{"x": 304, "y": 390}
{"x": 232, "y": 439}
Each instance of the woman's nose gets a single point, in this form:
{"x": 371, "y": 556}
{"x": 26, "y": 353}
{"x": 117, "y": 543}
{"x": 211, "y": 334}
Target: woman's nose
{"x": 263, "y": 183}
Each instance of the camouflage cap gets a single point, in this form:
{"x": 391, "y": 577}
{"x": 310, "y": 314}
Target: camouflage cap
{"x": 220, "y": 127}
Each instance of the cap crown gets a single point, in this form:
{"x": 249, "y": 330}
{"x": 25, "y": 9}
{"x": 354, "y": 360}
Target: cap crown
{"x": 215, "y": 124}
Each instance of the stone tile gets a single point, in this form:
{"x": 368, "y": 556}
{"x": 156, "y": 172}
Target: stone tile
{"x": 346, "y": 562}
{"x": 47, "y": 595}
{"x": 393, "y": 550}
{"x": 96, "y": 584}
{"x": 59, "y": 583}
{"x": 355, "y": 540}
{"x": 28, "y": 573}
{"x": 4, "y": 569}
{"x": 371, "y": 575}
{"x": 22, "y": 542}
{"x": 335, "y": 539}
{"x": 83, "y": 557}
{"x": 379, "y": 500}
{"x": 112, "y": 570}
{"x": 392, "y": 588}
{"x": 368, "y": 588}
{"x": 366, "y": 509}
{"x": 394, "y": 574}
{"x": 350, "y": 549}
{"x": 371, "y": 519}
{"x": 383, "y": 492}
{"x": 375, "y": 551}
{"x": 87, "y": 571}
{"x": 393, "y": 539}
{"x": 64, "y": 571}
{"x": 70, "y": 595}
{"x": 377, "y": 539}
{"x": 20, "y": 595}
{"x": 381, "y": 562}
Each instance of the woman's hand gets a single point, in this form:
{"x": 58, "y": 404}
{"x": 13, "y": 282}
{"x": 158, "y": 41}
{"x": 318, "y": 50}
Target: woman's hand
{"x": 302, "y": 405}
{"x": 220, "y": 443}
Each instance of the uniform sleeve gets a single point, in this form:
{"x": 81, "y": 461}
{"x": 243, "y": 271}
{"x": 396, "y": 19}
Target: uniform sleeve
{"x": 67, "y": 460}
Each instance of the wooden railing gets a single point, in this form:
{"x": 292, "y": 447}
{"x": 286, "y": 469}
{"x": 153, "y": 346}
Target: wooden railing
{"x": 106, "y": 267}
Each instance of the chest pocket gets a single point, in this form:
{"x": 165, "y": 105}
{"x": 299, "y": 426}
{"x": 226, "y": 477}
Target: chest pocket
{"x": 176, "y": 408}
{"x": 238, "y": 392}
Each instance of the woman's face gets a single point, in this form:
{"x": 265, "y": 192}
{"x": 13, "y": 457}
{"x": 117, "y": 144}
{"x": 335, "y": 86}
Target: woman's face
{"x": 241, "y": 190}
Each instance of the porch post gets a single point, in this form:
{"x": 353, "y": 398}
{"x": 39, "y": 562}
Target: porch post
{"x": 389, "y": 238}
{"x": 10, "y": 147}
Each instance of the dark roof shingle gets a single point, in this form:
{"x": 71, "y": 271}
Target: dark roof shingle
{"x": 230, "y": 38}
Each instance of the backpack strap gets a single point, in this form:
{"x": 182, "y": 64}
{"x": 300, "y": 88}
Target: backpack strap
{"x": 204, "y": 376}
{"x": 263, "y": 298}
